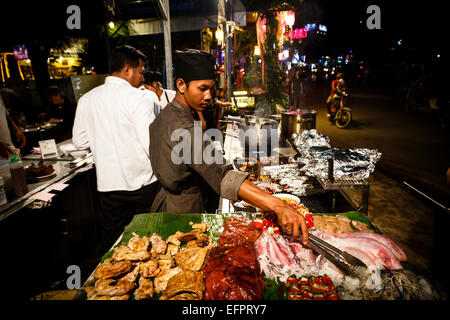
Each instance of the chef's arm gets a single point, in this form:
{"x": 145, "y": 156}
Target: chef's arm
{"x": 143, "y": 117}
{"x": 290, "y": 220}
{"x": 234, "y": 186}
{"x": 79, "y": 134}
{"x": 20, "y": 137}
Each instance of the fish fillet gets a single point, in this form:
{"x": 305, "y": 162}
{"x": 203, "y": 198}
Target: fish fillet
{"x": 380, "y": 253}
{"x": 396, "y": 250}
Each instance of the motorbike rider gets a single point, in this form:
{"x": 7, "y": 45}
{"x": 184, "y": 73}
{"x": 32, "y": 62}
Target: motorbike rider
{"x": 337, "y": 87}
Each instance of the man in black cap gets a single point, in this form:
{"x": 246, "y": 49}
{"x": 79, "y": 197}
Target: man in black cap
{"x": 182, "y": 176}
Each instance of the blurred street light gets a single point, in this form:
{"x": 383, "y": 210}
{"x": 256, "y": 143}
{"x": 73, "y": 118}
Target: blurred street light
{"x": 257, "y": 51}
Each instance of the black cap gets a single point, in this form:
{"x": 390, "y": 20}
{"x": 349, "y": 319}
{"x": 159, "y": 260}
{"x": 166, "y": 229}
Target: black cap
{"x": 192, "y": 64}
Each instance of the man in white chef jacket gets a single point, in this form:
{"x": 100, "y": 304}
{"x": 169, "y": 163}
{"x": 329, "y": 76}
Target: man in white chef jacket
{"x": 113, "y": 120}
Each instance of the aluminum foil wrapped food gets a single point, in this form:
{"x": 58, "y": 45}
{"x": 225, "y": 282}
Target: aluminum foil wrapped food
{"x": 311, "y": 138}
{"x": 315, "y": 150}
{"x": 291, "y": 179}
{"x": 356, "y": 163}
{"x": 300, "y": 186}
{"x": 282, "y": 171}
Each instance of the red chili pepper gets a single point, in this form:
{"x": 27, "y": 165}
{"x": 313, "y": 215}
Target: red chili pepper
{"x": 258, "y": 223}
{"x": 318, "y": 296}
{"x": 276, "y": 230}
{"x": 329, "y": 289}
{"x": 295, "y": 297}
{"x": 317, "y": 280}
{"x": 309, "y": 217}
{"x": 267, "y": 223}
{"x": 294, "y": 290}
{"x": 293, "y": 205}
{"x": 291, "y": 281}
{"x": 309, "y": 224}
{"x": 304, "y": 280}
{"x": 304, "y": 288}
{"x": 333, "y": 297}
{"x": 326, "y": 280}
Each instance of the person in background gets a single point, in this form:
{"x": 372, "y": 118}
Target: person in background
{"x": 296, "y": 89}
{"x": 113, "y": 121}
{"x": 337, "y": 85}
{"x": 19, "y": 110}
{"x": 448, "y": 176}
{"x": 183, "y": 177}
{"x": 59, "y": 110}
{"x": 152, "y": 81}
{"x": 6, "y": 143}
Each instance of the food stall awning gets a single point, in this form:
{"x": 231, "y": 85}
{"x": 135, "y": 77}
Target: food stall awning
{"x": 185, "y": 16}
{"x": 139, "y": 27}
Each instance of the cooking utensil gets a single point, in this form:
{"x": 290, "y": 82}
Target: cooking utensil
{"x": 341, "y": 259}
{"x": 297, "y": 121}
{"x": 342, "y": 265}
{"x": 344, "y": 255}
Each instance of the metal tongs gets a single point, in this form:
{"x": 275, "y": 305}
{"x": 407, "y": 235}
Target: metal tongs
{"x": 341, "y": 259}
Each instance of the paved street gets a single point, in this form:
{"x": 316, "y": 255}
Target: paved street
{"x": 414, "y": 149}
{"x": 413, "y": 146}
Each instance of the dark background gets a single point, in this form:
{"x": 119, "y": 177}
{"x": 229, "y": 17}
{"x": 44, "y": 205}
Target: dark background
{"x": 422, "y": 27}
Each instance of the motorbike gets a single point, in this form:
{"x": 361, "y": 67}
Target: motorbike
{"x": 338, "y": 113}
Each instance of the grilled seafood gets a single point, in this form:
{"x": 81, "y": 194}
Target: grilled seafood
{"x": 137, "y": 243}
{"x": 187, "y": 281}
{"x": 125, "y": 253}
{"x": 158, "y": 244}
{"x": 163, "y": 277}
{"x": 111, "y": 269}
{"x": 149, "y": 269}
{"x": 110, "y": 287}
{"x": 145, "y": 290}
{"x": 191, "y": 258}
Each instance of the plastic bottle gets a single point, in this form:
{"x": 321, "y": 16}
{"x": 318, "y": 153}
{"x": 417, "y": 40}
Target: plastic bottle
{"x": 18, "y": 176}
{"x": 3, "y": 199}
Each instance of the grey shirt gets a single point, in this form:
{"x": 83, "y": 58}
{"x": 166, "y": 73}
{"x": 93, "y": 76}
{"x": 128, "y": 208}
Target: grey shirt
{"x": 183, "y": 184}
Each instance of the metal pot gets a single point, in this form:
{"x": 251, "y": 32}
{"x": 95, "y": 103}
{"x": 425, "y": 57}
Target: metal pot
{"x": 297, "y": 121}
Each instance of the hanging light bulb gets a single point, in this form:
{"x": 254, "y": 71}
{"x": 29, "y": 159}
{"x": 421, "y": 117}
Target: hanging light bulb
{"x": 257, "y": 51}
{"x": 219, "y": 36}
{"x": 290, "y": 18}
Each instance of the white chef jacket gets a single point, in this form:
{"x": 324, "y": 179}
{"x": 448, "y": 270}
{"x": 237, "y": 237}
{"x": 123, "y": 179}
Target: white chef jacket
{"x": 113, "y": 121}
{"x": 166, "y": 97}
{"x": 5, "y": 135}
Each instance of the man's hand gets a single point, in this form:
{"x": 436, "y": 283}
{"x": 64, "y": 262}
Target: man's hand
{"x": 4, "y": 150}
{"x": 20, "y": 137}
{"x": 289, "y": 219}
{"x": 224, "y": 104}
{"x": 55, "y": 120}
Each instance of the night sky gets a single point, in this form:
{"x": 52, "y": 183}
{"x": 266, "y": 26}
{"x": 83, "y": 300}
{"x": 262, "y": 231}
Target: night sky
{"x": 421, "y": 25}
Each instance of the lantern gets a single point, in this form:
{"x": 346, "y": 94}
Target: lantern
{"x": 257, "y": 51}
{"x": 290, "y": 18}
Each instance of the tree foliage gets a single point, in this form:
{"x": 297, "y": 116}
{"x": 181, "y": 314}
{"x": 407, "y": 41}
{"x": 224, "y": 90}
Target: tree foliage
{"x": 269, "y": 8}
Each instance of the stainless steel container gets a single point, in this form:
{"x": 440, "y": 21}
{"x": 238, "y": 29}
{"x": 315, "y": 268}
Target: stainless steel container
{"x": 297, "y": 121}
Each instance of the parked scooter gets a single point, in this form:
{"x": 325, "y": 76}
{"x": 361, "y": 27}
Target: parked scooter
{"x": 339, "y": 114}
